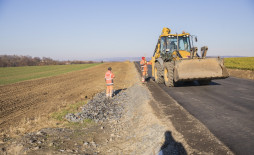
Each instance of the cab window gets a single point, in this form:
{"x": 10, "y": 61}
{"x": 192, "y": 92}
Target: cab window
{"x": 163, "y": 45}
{"x": 183, "y": 43}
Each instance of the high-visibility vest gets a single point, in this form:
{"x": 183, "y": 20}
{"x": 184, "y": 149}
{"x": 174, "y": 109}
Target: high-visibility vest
{"x": 143, "y": 65}
{"x": 109, "y": 77}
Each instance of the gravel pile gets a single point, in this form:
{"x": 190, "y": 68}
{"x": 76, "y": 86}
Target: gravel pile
{"x": 101, "y": 109}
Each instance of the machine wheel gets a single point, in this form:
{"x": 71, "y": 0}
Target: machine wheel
{"x": 168, "y": 74}
{"x": 204, "y": 82}
{"x": 158, "y": 73}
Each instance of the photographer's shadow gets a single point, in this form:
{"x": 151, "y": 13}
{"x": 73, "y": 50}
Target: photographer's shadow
{"x": 171, "y": 147}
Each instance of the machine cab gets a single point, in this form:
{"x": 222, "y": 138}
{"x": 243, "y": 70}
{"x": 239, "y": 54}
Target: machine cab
{"x": 173, "y": 44}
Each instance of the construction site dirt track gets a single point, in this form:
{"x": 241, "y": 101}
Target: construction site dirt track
{"x": 35, "y": 99}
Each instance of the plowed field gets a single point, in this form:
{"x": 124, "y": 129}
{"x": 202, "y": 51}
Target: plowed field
{"x": 34, "y": 99}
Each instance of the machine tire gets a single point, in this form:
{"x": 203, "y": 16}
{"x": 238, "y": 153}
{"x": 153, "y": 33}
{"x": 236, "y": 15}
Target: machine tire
{"x": 169, "y": 74}
{"x": 204, "y": 82}
{"x": 158, "y": 71}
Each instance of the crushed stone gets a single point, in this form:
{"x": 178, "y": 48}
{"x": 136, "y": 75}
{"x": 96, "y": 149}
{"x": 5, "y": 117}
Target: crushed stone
{"x": 101, "y": 109}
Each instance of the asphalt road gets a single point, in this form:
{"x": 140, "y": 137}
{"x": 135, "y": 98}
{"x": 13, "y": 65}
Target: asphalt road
{"x": 225, "y": 107}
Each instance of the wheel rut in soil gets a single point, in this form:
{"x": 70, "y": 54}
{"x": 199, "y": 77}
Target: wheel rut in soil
{"x": 36, "y": 99}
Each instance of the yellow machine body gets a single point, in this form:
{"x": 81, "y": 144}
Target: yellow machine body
{"x": 187, "y": 65}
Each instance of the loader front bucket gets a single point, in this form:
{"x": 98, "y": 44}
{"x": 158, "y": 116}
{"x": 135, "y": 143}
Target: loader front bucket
{"x": 199, "y": 69}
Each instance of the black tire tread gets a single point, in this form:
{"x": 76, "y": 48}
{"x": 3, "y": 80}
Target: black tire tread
{"x": 170, "y": 67}
{"x": 160, "y": 78}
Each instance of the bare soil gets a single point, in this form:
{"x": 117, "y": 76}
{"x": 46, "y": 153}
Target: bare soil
{"x": 246, "y": 74}
{"x": 25, "y": 106}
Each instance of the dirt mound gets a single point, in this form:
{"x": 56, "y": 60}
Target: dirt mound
{"x": 246, "y": 74}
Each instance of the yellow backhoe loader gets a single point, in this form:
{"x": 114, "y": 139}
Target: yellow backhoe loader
{"x": 175, "y": 59}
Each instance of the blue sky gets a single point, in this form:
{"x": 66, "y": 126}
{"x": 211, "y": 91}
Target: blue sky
{"x": 83, "y": 30}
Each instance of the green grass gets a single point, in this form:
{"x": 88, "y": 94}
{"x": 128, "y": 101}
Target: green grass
{"x": 10, "y": 75}
{"x": 72, "y": 108}
{"x": 245, "y": 63}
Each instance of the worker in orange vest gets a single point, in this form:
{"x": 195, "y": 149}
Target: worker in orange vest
{"x": 144, "y": 69}
{"x": 109, "y": 76}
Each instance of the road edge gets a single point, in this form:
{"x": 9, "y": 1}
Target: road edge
{"x": 194, "y": 133}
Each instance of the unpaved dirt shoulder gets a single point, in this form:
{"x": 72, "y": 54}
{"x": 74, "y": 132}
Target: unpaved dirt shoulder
{"x": 139, "y": 131}
{"x": 245, "y": 74}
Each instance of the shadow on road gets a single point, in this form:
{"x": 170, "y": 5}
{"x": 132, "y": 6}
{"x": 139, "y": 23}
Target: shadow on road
{"x": 194, "y": 83}
{"x": 170, "y": 146}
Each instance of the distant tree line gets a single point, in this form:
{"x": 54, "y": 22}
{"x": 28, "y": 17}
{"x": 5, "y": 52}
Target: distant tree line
{"x": 16, "y": 60}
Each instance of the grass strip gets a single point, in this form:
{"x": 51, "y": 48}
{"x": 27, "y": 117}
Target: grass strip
{"x": 244, "y": 63}
{"x": 71, "y": 108}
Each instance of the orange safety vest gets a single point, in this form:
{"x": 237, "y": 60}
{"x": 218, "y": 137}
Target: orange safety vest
{"x": 143, "y": 65}
{"x": 109, "y": 78}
